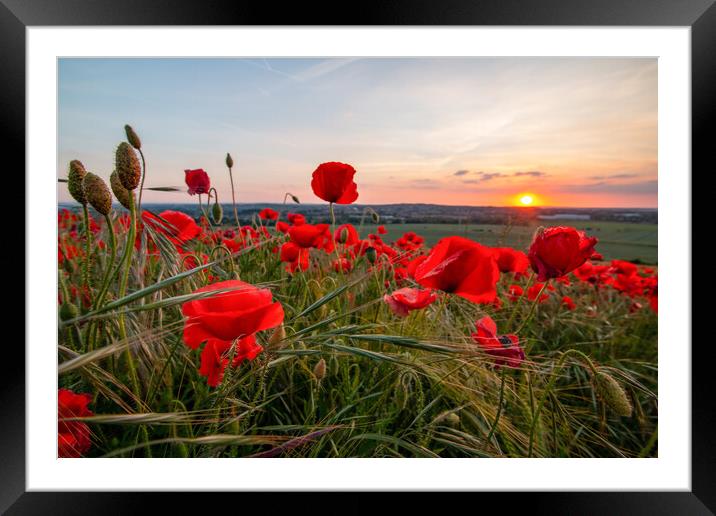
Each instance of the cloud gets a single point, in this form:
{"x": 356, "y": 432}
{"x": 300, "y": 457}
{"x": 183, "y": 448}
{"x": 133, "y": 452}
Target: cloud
{"x": 616, "y": 176}
{"x": 461, "y": 173}
{"x": 532, "y": 173}
{"x": 641, "y": 187}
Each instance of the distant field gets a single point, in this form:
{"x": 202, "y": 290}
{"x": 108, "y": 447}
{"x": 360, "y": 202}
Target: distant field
{"x": 617, "y": 240}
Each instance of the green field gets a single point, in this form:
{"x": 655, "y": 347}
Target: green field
{"x": 617, "y": 240}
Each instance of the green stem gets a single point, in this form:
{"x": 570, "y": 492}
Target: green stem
{"x": 233, "y": 200}
{"x": 126, "y": 263}
{"x": 106, "y": 280}
{"x": 532, "y": 309}
{"x": 519, "y": 300}
{"x": 141, "y": 186}
{"x": 499, "y": 404}
{"x": 88, "y": 242}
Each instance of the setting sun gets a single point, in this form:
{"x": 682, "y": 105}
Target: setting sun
{"x": 526, "y": 200}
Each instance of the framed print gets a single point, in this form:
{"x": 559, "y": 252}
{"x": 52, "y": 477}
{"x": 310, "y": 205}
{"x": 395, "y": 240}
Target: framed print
{"x": 417, "y": 250}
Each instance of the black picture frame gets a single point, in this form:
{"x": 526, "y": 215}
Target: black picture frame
{"x": 16, "y": 15}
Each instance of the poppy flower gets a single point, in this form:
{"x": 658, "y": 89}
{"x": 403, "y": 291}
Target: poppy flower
{"x": 282, "y": 227}
{"x": 402, "y": 301}
{"x": 197, "y": 181}
{"x": 296, "y": 219}
{"x": 382, "y": 230}
{"x": 342, "y": 265}
{"x": 333, "y": 182}
{"x": 178, "y": 227}
{"x": 623, "y": 267}
{"x": 306, "y": 235}
{"x": 534, "y": 291}
{"x": 460, "y": 266}
{"x": 268, "y": 214}
{"x": 225, "y": 317}
{"x": 515, "y": 292}
{"x": 73, "y": 437}
{"x": 557, "y": 251}
{"x": 569, "y": 303}
{"x": 506, "y": 348}
{"x": 511, "y": 260}
{"x": 294, "y": 256}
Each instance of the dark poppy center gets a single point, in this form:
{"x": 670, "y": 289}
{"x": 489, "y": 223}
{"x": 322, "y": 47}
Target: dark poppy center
{"x": 505, "y": 341}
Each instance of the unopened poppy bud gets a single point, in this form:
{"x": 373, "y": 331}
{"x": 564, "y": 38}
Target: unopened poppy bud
{"x": 75, "y": 175}
{"x": 276, "y": 341}
{"x": 343, "y": 235}
{"x": 612, "y": 394}
{"x": 452, "y": 419}
{"x": 127, "y": 165}
{"x": 217, "y": 213}
{"x": 229, "y": 161}
{"x": 119, "y": 191}
{"x": 97, "y": 193}
{"x": 132, "y": 137}
{"x": 68, "y": 311}
{"x": 320, "y": 370}
{"x": 295, "y": 199}
{"x": 376, "y": 217}
{"x": 371, "y": 254}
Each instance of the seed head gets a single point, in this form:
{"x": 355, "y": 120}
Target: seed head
{"x": 127, "y": 166}
{"x": 229, "y": 161}
{"x": 97, "y": 193}
{"x": 612, "y": 394}
{"x": 119, "y": 191}
{"x": 132, "y": 137}
{"x": 75, "y": 175}
{"x": 320, "y": 370}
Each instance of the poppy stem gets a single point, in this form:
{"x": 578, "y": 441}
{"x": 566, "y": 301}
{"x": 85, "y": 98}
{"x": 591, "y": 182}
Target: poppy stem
{"x": 499, "y": 404}
{"x": 127, "y": 263}
{"x": 233, "y": 200}
{"x": 105, "y": 281}
{"x": 517, "y": 302}
{"x": 88, "y": 243}
{"x": 532, "y": 309}
{"x": 141, "y": 185}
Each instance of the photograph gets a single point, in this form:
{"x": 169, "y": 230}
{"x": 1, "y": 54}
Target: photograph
{"x": 357, "y": 257}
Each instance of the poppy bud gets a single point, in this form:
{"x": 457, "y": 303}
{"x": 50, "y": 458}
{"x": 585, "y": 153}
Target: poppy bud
{"x": 229, "y": 160}
{"x": 68, "y": 311}
{"x": 343, "y": 235}
{"x": 74, "y": 181}
{"x": 277, "y": 338}
{"x": 119, "y": 191}
{"x": 320, "y": 370}
{"x": 612, "y": 394}
{"x": 371, "y": 254}
{"x": 295, "y": 199}
{"x": 376, "y": 217}
{"x": 132, "y": 137}
{"x": 127, "y": 165}
{"x": 217, "y": 213}
{"x": 97, "y": 193}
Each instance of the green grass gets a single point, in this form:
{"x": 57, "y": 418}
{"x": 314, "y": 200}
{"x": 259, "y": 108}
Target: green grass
{"x": 617, "y": 240}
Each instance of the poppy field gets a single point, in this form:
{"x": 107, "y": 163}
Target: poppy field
{"x": 285, "y": 337}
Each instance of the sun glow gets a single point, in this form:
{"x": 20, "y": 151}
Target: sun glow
{"x": 527, "y": 200}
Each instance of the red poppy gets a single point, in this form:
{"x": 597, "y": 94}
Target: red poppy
{"x": 178, "y": 227}
{"x": 307, "y": 235}
{"x": 382, "y": 230}
{"x": 197, "y": 181}
{"x": 515, "y": 292}
{"x": 460, "y": 266}
{"x": 73, "y": 437}
{"x": 505, "y": 347}
{"x": 296, "y": 219}
{"x": 333, "y": 182}
{"x": 294, "y": 256}
{"x": 342, "y": 265}
{"x": 534, "y": 291}
{"x": 623, "y": 267}
{"x": 220, "y": 319}
{"x": 282, "y": 226}
{"x": 268, "y": 214}
{"x": 402, "y": 301}
{"x": 569, "y": 303}
{"x": 557, "y": 251}
{"x": 511, "y": 260}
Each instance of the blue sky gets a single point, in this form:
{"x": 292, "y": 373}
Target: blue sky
{"x": 571, "y": 131}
